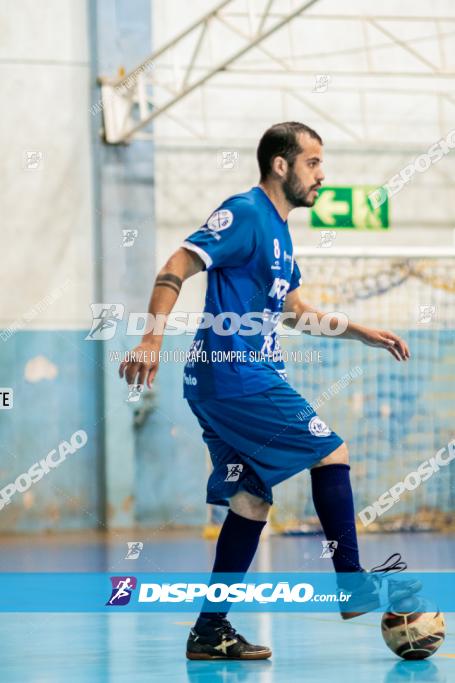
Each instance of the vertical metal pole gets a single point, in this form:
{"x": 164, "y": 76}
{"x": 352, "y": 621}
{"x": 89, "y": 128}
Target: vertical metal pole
{"x": 123, "y": 181}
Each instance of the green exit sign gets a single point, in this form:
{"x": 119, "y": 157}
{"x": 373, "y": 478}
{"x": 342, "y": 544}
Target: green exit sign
{"x": 349, "y": 207}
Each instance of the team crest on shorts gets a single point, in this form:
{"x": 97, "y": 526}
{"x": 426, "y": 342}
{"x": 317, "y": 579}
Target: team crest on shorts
{"x": 318, "y": 427}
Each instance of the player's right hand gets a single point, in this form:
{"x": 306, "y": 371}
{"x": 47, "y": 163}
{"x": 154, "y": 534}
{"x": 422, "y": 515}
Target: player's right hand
{"x": 142, "y": 366}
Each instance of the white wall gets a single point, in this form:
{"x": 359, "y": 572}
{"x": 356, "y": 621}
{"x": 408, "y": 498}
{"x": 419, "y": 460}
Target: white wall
{"x": 46, "y": 212}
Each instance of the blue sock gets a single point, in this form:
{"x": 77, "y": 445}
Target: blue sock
{"x": 235, "y": 549}
{"x": 333, "y": 501}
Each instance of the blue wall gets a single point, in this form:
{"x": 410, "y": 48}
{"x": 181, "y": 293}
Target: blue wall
{"x": 45, "y": 413}
{"x": 124, "y": 194}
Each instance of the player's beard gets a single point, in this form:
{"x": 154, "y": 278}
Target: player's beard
{"x": 295, "y": 192}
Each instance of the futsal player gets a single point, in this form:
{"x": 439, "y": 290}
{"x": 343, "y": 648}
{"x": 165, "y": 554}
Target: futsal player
{"x": 250, "y": 415}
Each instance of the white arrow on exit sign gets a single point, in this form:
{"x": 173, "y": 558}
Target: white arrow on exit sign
{"x": 327, "y": 208}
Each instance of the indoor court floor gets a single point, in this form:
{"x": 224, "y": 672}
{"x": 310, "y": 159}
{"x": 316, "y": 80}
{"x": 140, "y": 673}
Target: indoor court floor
{"x": 136, "y": 647}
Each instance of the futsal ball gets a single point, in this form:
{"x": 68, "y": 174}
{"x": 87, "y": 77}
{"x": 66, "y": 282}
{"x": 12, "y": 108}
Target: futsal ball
{"x": 413, "y": 634}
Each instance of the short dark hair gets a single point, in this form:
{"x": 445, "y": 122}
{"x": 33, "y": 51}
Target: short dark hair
{"x": 281, "y": 140}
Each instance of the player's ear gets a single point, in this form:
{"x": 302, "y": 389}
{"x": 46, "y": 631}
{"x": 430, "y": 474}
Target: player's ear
{"x": 279, "y": 166}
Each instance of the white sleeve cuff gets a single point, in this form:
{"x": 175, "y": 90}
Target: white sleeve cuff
{"x": 200, "y": 252}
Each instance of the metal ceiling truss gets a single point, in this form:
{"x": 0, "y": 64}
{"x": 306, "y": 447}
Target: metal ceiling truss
{"x": 189, "y": 64}
{"x": 132, "y": 102}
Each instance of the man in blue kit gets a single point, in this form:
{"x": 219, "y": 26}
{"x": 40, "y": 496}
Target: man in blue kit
{"x": 235, "y": 380}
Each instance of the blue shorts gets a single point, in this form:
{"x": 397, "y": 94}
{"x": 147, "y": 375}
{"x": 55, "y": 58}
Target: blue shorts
{"x": 258, "y": 441}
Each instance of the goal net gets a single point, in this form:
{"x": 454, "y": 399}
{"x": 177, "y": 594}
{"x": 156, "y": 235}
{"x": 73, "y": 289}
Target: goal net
{"x": 392, "y": 415}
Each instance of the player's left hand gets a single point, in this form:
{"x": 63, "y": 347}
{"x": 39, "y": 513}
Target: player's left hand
{"x": 386, "y": 340}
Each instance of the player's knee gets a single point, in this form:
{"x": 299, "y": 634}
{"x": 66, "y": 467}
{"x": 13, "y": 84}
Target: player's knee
{"x": 249, "y": 506}
{"x": 340, "y": 456}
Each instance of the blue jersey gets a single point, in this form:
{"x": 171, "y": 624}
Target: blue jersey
{"x": 248, "y": 255}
